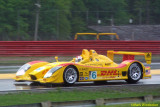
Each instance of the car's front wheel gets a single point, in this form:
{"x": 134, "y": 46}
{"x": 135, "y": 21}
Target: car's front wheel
{"x": 134, "y": 73}
{"x": 70, "y": 75}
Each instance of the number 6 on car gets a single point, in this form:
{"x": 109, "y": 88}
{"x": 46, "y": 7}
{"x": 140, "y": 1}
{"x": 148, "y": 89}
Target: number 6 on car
{"x": 93, "y": 74}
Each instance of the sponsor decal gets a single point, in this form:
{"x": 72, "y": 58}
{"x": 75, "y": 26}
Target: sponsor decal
{"x": 83, "y": 69}
{"x": 86, "y": 78}
{"x": 86, "y": 73}
{"x": 81, "y": 74}
{"x": 107, "y": 64}
{"x": 93, "y": 75}
{"x": 107, "y": 73}
{"x": 100, "y": 65}
{"x": 107, "y": 77}
{"x": 81, "y": 78}
{"x": 147, "y": 72}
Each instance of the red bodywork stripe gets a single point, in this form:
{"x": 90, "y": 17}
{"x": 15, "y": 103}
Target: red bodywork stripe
{"x": 33, "y": 62}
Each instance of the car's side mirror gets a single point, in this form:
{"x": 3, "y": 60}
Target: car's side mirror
{"x": 56, "y": 57}
{"x": 74, "y": 59}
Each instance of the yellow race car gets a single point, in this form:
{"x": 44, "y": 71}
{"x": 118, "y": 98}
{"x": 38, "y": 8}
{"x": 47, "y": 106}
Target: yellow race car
{"x": 89, "y": 66}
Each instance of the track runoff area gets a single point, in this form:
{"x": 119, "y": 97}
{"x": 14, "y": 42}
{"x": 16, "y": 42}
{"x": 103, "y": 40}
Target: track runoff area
{"x": 23, "y": 86}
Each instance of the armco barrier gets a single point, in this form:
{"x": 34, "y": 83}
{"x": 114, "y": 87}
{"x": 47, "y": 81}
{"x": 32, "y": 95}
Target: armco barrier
{"x": 72, "y": 48}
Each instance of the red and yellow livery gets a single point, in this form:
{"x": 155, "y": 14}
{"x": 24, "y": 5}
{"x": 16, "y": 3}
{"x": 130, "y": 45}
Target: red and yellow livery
{"x": 89, "y": 66}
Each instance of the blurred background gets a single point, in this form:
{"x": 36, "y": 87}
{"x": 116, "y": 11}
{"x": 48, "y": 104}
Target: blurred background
{"x": 40, "y": 20}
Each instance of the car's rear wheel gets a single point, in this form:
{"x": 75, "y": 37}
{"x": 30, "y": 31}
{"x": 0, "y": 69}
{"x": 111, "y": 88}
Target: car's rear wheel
{"x": 70, "y": 75}
{"x": 134, "y": 73}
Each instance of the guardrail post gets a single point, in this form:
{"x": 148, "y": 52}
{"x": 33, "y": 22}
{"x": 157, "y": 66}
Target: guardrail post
{"x": 46, "y": 104}
{"x": 100, "y": 102}
{"x": 148, "y": 98}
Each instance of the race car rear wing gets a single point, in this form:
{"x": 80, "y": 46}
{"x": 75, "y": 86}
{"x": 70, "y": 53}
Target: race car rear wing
{"x": 114, "y": 34}
{"x": 76, "y": 35}
{"x": 130, "y": 55}
{"x": 97, "y": 35}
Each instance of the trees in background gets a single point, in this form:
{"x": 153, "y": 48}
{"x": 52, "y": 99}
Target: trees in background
{"x": 15, "y": 19}
{"x": 59, "y": 19}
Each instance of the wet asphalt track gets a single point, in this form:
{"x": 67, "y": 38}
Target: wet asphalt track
{"x": 9, "y": 84}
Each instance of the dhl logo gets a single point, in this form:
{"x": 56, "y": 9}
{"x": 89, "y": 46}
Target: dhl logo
{"x": 110, "y": 72}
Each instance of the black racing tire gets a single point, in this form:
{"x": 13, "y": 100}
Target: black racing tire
{"x": 135, "y": 73}
{"x": 70, "y": 75}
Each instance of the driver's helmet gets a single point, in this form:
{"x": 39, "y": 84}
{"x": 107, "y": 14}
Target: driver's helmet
{"x": 78, "y": 58}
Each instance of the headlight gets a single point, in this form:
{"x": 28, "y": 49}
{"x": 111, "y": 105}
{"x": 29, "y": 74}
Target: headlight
{"x": 51, "y": 71}
{"x": 23, "y": 69}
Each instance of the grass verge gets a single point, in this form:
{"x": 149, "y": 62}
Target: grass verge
{"x": 60, "y": 95}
